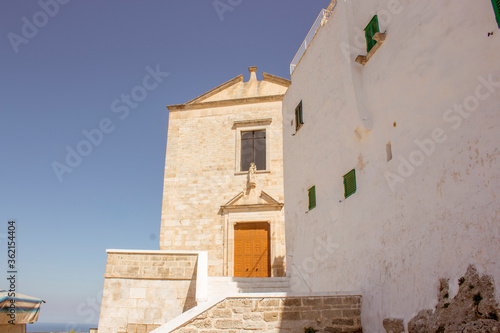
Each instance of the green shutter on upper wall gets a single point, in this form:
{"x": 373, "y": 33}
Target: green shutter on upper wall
{"x": 371, "y": 29}
{"x": 299, "y": 121}
{"x": 350, "y": 183}
{"x": 496, "y": 8}
{"x": 312, "y": 197}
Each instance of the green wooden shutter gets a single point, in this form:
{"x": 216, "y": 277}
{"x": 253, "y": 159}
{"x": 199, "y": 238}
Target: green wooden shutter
{"x": 299, "y": 121}
{"x": 371, "y": 29}
{"x": 312, "y": 197}
{"x": 350, "y": 183}
{"x": 496, "y": 8}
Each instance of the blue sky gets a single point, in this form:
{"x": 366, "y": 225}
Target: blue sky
{"x": 70, "y": 72}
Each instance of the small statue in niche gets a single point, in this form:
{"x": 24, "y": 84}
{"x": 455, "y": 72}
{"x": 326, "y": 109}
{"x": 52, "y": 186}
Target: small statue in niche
{"x": 252, "y": 171}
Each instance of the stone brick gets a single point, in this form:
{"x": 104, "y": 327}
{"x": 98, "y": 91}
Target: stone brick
{"x": 233, "y": 303}
{"x": 271, "y": 316}
{"x": 333, "y": 300}
{"x": 343, "y": 322}
{"x": 240, "y": 310}
{"x": 221, "y": 313}
{"x": 310, "y": 314}
{"x": 351, "y": 300}
{"x": 270, "y": 302}
{"x": 351, "y": 313}
{"x": 151, "y": 327}
{"x": 254, "y": 325}
{"x": 204, "y": 323}
{"x": 141, "y": 328}
{"x": 253, "y": 316}
{"x": 295, "y": 315}
{"x": 331, "y": 313}
{"x": 312, "y": 301}
{"x": 292, "y": 302}
{"x": 228, "y": 323}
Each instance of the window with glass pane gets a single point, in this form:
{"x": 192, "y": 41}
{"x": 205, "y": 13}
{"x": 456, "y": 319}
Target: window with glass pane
{"x": 253, "y": 149}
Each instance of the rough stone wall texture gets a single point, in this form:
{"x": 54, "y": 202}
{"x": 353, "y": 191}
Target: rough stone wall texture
{"x": 473, "y": 309}
{"x": 394, "y": 325}
{"x": 293, "y": 314}
{"x": 201, "y": 174}
{"x": 142, "y": 291}
{"x": 151, "y": 266}
{"x": 140, "y": 328}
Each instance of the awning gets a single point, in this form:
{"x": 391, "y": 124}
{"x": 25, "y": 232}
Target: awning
{"x": 18, "y": 309}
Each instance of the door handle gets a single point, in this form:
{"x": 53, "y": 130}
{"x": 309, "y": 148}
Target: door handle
{"x": 256, "y": 269}
{"x": 247, "y": 270}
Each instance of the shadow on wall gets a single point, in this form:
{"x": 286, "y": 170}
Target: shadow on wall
{"x": 278, "y": 266}
{"x": 190, "y": 300}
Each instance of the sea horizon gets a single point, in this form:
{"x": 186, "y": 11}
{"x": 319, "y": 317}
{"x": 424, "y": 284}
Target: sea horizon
{"x": 59, "y": 327}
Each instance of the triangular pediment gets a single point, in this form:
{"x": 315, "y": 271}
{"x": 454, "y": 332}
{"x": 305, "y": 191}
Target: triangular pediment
{"x": 253, "y": 199}
{"x": 236, "y": 90}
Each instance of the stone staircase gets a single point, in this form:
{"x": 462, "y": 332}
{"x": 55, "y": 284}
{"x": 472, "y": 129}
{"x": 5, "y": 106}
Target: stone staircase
{"x": 220, "y": 288}
{"x": 266, "y": 305}
{"x": 229, "y": 286}
{"x": 271, "y": 312}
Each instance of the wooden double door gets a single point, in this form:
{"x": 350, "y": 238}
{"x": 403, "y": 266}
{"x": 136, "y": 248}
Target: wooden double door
{"x": 252, "y": 249}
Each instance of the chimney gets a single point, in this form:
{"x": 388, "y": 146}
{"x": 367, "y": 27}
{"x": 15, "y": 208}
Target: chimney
{"x": 253, "y": 73}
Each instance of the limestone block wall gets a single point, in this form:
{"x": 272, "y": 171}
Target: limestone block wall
{"x": 144, "y": 290}
{"x": 170, "y": 266}
{"x": 280, "y": 314}
{"x": 201, "y": 175}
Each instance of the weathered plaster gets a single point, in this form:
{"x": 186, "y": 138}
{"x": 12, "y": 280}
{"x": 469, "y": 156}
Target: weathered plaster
{"x": 442, "y": 214}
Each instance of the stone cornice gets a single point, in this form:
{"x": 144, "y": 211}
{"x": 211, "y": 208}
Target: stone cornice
{"x": 270, "y": 204}
{"x": 229, "y": 102}
{"x": 276, "y": 79}
{"x": 217, "y": 89}
{"x": 252, "y": 122}
{"x": 250, "y": 208}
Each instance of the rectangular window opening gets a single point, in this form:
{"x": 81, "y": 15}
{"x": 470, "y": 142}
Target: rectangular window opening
{"x": 299, "y": 120}
{"x": 350, "y": 183}
{"x": 253, "y": 149}
{"x": 312, "y": 197}
{"x": 371, "y": 29}
{"x": 388, "y": 149}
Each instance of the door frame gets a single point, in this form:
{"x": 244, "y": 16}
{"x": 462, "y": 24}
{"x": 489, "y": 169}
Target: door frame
{"x": 275, "y": 242}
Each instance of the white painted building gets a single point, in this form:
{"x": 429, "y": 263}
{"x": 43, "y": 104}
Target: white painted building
{"x": 418, "y": 120}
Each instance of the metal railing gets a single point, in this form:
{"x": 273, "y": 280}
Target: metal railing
{"x": 320, "y": 21}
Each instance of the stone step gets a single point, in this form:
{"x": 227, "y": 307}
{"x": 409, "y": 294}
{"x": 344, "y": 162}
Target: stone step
{"x": 249, "y": 281}
{"x": 226, "y": 285}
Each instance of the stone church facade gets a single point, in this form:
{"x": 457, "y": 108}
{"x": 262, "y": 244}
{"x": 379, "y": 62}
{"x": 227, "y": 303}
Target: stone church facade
{"x": 207, "y": 196}
{"x": 222, "y": 214}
